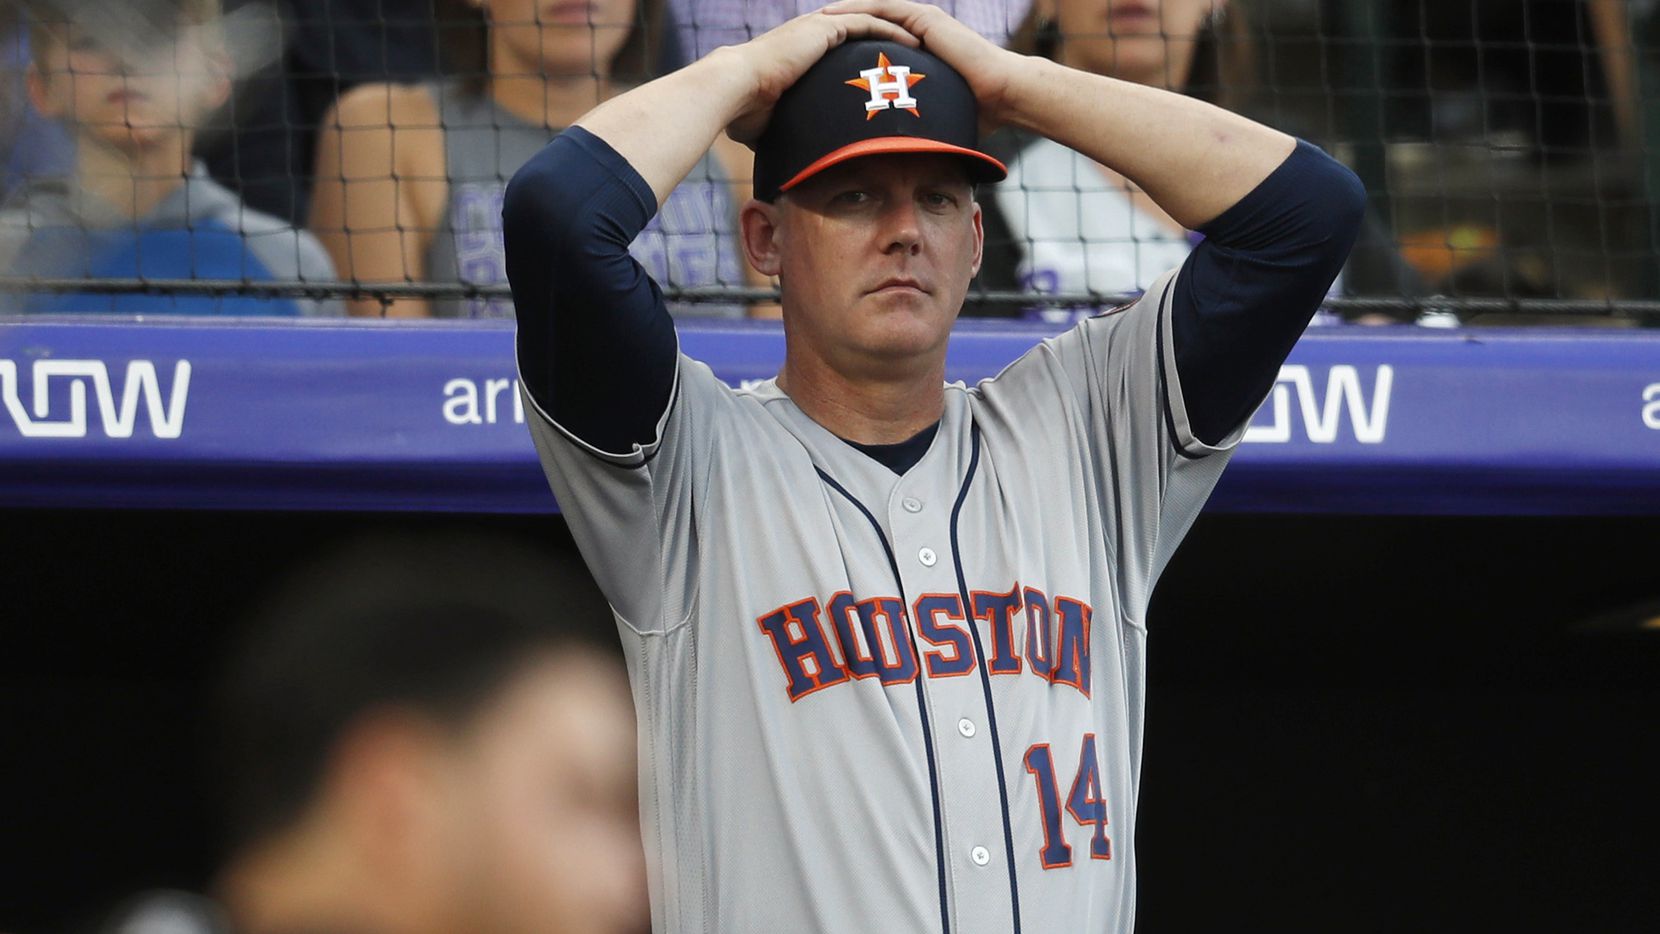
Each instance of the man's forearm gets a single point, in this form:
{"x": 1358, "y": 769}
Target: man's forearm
{"x": 1194, "y": 159}
{"x": 665, "y": 126}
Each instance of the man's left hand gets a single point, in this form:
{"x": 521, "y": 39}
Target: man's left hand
{"x": 988, "y": 68}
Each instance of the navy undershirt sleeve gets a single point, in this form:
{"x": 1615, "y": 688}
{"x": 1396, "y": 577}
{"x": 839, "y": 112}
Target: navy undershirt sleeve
{"x": 1247, "y": 292}
{"x": 596, "y": 345}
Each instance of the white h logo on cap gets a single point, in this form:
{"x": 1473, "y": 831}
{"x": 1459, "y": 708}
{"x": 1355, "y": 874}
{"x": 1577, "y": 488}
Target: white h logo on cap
{"x": 889, "y": 86}
{"x": 895, "y": 85}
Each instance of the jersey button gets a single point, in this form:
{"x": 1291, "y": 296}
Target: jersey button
{"x": 980, "y": 855}
{"x": 911, "y": 504}
{"x": 927, "y": 557}
{"x": 965, "y": 726}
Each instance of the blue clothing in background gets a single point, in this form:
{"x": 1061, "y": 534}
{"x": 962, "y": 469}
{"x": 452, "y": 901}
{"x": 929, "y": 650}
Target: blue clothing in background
{"x": 31, "y": 146}
{"x": 207, "y": 251}
{"x": 49, "y": 230}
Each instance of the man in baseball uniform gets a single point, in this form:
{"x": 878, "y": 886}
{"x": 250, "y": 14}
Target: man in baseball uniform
{"x": 887, "y": 635}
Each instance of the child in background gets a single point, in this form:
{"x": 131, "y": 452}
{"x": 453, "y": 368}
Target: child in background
{"x": 133, "y": 80}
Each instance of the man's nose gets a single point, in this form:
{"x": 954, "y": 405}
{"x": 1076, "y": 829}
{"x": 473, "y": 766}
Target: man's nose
{"x": 902, "y": 227}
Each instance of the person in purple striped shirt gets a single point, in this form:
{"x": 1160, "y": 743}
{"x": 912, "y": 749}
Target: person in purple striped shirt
{"x": 706, "y": 25}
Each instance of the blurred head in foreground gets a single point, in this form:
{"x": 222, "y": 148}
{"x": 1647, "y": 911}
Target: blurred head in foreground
{"x": 427, "y": 735}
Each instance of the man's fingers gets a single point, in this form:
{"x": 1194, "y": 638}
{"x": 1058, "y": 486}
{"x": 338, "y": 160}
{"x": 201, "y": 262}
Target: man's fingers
{"x": 909, "y": 15}
{"x": 866, "y": 26}
{"x": 985, "y": 65}
{"x": 944, "y": 36}
{"x": 888, "y": 9}
{"x": 798, "y": 45}
{"x": 849, "y": 6}
{"x": 793, "y": 48}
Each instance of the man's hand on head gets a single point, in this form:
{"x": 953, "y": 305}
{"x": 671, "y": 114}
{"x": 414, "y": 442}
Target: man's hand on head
{"x": 778, "y": 57}
{"x": 989, "y": 68}
{"x": 663, "y": 127}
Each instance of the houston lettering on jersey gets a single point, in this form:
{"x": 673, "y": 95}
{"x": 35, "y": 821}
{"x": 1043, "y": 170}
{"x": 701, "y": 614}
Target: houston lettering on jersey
{"x": 821, "y": 644}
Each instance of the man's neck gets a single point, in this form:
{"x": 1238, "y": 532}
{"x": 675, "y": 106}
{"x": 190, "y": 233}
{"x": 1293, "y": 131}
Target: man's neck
{"x": 131, "y": 184}
{"x": 868, "y": 411}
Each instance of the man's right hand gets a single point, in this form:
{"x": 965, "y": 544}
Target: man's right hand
{"x": 780, "y": 56}
{"x": 665, "y": 126}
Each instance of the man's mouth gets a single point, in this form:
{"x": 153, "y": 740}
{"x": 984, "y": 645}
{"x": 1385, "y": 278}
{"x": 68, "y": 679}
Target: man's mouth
{"x": 899, "y": 284}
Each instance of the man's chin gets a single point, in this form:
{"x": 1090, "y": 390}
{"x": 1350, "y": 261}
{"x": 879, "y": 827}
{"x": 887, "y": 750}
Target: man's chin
{"x": 905, "y": 339}
{"x": 925, "y": 308}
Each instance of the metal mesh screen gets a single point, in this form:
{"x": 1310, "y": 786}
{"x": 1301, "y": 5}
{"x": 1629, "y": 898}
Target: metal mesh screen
{"x": 348, "y": 156}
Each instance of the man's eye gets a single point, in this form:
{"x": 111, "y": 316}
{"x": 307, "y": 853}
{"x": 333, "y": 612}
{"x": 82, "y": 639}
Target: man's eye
{"x": 938, "y": 199}
{"x": 853, "y": 197}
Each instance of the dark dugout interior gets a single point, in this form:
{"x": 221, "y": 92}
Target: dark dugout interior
{"x": 1355, "y": 723}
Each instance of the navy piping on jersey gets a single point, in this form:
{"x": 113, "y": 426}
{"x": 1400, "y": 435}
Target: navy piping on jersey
{"x": 1164, "y": 380}
{"x": 985, "y": 676}
{"x": 921, "y": 701}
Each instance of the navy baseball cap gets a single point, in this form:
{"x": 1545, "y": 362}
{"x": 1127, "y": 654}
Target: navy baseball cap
{"x": 864, "y": 98}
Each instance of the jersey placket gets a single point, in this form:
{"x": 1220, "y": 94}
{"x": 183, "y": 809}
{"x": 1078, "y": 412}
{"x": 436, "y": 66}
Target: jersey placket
{"x": 919, "y": 515}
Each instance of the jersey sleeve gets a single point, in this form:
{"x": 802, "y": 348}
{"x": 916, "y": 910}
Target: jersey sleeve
{"x": 1156, "y": 395}
{"x": 613, "y": 407}
{"x": 634, "y": 515}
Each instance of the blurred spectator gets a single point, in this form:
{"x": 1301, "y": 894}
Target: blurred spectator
{"x": 326, "y": 48}
{"x": 410, "y": 177}
{"x": 426, "y": 734}
{"x": 30, "y": 145}
{"x": 1061, "y": 222}
{"x": 705, "y": 25}
{"x": 132, "y": 80}
{"x": 1511, "y": 150}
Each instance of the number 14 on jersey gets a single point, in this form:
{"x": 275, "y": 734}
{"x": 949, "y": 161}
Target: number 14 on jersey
{"x": 1084, "y": 802}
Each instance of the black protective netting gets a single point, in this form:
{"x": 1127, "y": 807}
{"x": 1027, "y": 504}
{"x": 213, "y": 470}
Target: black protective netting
{"x": 334, "y": 156}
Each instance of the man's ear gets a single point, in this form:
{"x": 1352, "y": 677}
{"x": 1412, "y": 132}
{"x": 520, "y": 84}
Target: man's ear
{"x": 979, "y": 239}
{"x": 760, "y": 229}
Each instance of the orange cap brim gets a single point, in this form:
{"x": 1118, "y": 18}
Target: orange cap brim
{"x": 891, "y": 144}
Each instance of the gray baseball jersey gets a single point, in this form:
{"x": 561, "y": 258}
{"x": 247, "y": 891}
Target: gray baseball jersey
{"x": 878, "y": 702}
